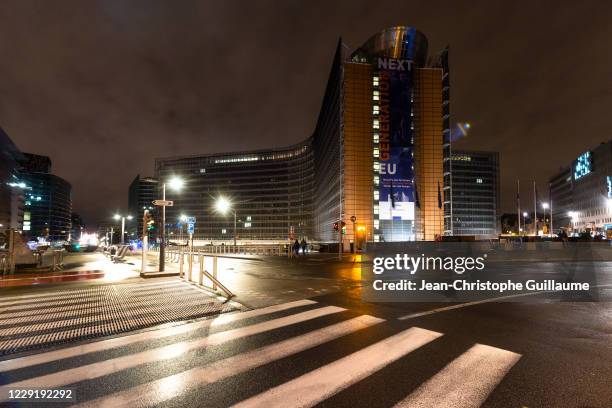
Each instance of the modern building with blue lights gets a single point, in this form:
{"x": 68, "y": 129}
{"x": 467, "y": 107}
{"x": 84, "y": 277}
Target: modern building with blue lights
{"x": 581, "y": 193}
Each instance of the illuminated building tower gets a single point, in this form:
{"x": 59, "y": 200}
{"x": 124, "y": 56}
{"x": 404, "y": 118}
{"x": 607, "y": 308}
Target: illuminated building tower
{"x": 380, "y": 144}
{"x": 378, "y": 159}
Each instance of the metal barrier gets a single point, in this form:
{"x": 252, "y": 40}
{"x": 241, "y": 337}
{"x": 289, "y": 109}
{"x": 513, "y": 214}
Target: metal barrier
{"x": 187, "y": 260}
{"x": 264, "y": 250}
{"x": 4, "y": 263}
{"x": 58, "y": 259}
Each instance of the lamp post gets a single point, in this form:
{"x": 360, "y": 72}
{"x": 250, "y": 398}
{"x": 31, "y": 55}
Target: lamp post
{"x": 223, "y": 205}
{"x": 122, "y": 218}
{"x": 545, "y": 207}
{"x": 525, "y": 221}
{"x": 176, "y": 184}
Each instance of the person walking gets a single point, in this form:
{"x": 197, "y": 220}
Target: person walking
{"x": 304, "y": 246}
{"x": 296, "y": 247}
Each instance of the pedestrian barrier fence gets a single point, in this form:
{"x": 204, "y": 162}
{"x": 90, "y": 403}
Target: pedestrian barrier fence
{"x": 187, "y": 259}
{"x": 4, "y": 262}
{"x": 263, "y": 250}
{"x": 58, "y": 259}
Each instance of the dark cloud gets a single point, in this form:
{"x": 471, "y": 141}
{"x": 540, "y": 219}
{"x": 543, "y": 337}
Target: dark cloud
{"x": 104, "y": 87}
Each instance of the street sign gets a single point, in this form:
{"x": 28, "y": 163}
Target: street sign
{"x": 190, "y": 220}
{"x": 163, "y": 203}
{"x": 190, "y": 228}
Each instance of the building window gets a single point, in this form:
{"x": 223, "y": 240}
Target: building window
{"x": 376, "y": 124}
{"x": 375, "y": 81}
{"x": 376, "y": 110}
{"x": 376, "y": 95}
{"x": 479, "y": 181}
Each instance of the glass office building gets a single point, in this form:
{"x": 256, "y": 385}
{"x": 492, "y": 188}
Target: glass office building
{"x": 270, "y": 191}
{"x": 475, "y": 190}
{"x": 378, "y": 159}
{"x": 581, "y": 193}
{"x": 141, "y": 194}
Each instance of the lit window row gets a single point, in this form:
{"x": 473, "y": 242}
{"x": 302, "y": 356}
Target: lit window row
{"x": 376, "y": 196}
{"x": 376, "y": 110}
{"x": 237, "y": 159}
{"x": 376, "y": 95}
{"x": 376, "y": 224}
{"x": 376, "y": 152}
{"x": 375, "y": 81}
{"x": 376, "y": 137}
{"x": 376, "y": 124}
{"x": 376, "y": 180}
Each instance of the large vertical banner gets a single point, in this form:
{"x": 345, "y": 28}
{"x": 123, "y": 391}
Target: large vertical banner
{"x": 396, "y": 191}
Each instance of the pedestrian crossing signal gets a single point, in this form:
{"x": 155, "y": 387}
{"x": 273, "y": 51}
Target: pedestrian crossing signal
{"x": 147, "y": 222}
{"x": 338, "y": 225}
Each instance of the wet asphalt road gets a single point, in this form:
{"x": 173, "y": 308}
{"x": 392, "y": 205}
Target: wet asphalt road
{"x": 544, "y": 353}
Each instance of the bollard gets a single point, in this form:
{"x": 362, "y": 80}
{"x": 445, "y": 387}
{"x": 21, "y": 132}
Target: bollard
{"x": 214, "y": 273}
{"x": 190, "y": 266}
{"x": 181, "y": 260}
{"x": 201, "y": 277}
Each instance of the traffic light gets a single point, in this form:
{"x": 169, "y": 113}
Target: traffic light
{"x": 147, "y": 222}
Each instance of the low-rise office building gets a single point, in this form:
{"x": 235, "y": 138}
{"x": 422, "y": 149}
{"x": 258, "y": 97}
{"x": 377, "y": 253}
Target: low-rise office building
{"x": 475, "y": 193}
{"x": 581, "y": 192}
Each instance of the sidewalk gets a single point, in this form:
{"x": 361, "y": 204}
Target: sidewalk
{"x": 38, "y": 319}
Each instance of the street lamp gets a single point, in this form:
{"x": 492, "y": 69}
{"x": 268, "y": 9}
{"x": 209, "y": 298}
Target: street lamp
{"x": 122, "y": 218}
{"x": 545, "y": 207}
{"x": 175, "y": 183}
{"x": 223, "y": 205}
{"x": 525, "y": 221}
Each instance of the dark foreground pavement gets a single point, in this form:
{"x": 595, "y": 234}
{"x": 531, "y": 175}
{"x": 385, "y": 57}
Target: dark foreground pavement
{"x": 334, "y": 350}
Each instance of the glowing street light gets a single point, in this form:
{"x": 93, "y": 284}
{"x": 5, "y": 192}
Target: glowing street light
{"x": 223, "y": 206}
{"x": 122, "y": 218}
{"x": 545, "y": 206}
{"x": 176, "y": 184}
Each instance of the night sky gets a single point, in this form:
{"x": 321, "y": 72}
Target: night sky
{"x": 104, "y": 87}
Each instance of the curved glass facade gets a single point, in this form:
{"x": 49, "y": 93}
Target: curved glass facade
{"x": 270, "y": 190}
{"x": 403, "y": 43}
{"x": 377, "y": 147}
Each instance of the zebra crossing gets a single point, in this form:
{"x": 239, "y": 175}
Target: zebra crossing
{"x": 153, "y": 368}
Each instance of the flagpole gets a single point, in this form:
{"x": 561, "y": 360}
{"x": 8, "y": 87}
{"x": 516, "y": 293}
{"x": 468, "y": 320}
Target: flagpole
{"x": 518, "y": 205}
{"x": 550, "y": 232}
{"x": 535, "y": 209}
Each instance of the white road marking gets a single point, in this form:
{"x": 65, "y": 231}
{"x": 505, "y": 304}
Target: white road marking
{"x": 107, "y": 367}
{"x": 318, "y": 385}
{"x": 466, "y": 382}
{"x": 109, "y": 344}
{"x": 462, "y": 305}
{"x": 478, "y": 302}
{"x": 156, "y": 392}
